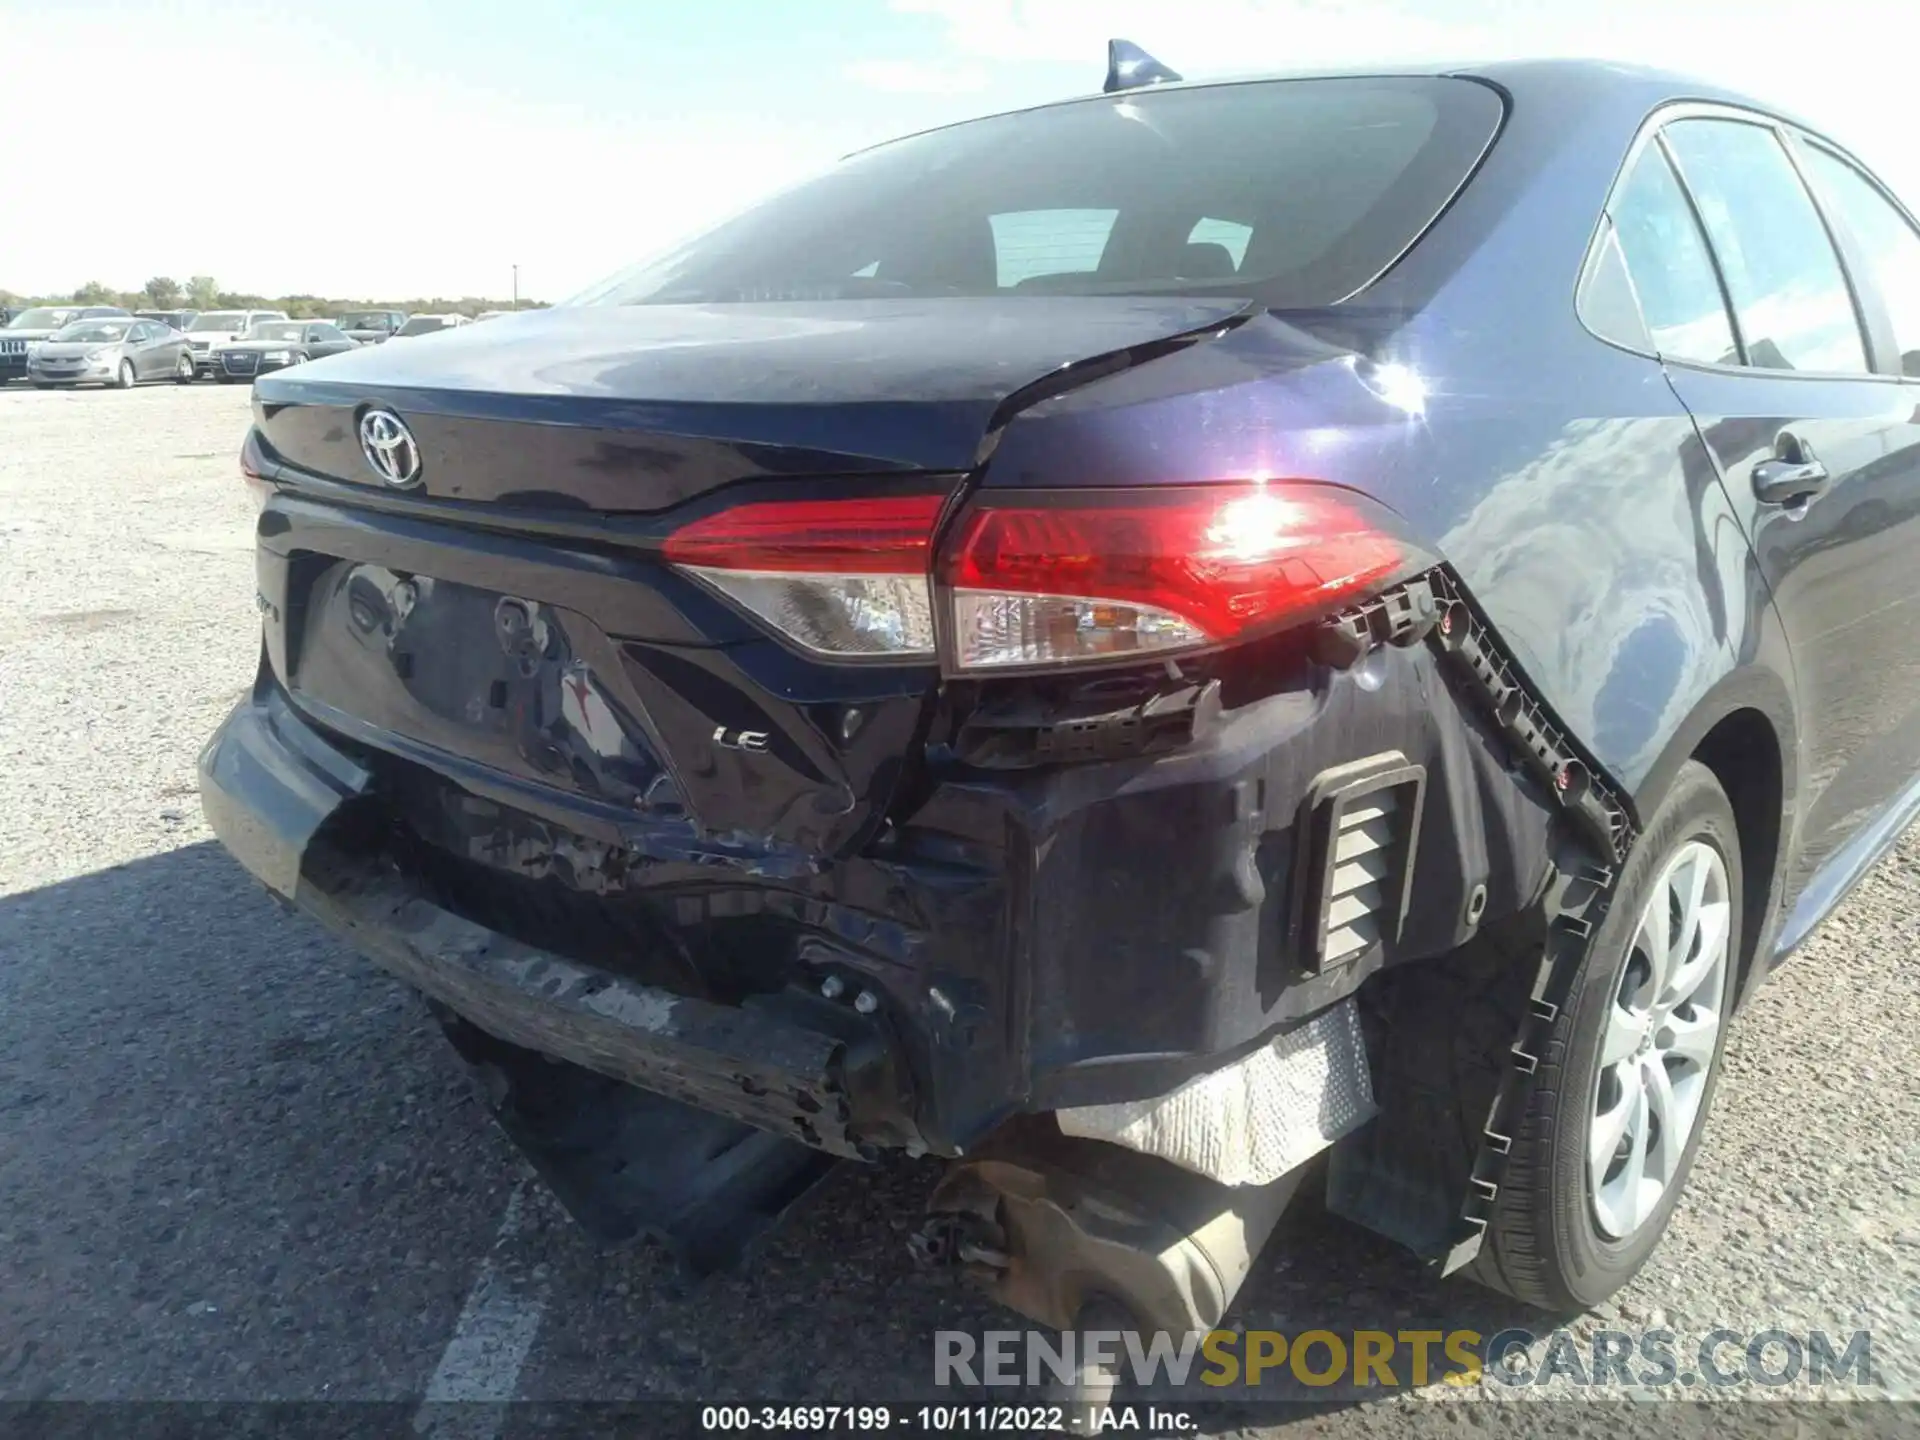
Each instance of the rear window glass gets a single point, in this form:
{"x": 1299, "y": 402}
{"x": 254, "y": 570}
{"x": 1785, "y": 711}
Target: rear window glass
{"x": 1671, "y": 269}
{"x": 1789, "y": 293}
{"x": 1294, "y": 192}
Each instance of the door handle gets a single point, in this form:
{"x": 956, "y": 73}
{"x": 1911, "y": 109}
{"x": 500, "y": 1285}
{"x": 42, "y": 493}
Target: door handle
{"x": 1790, "y": 482}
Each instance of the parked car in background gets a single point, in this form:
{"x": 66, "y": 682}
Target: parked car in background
{"x": 120, "y": 351}
{"x": 213, "y": 328}
{"x": 490, "y": 315}
{"x": 37, "y": 323}
{"x": 428, "y": 325}
{"x": 175, "y": 319}
{"x": 276, "y": 344}
{"x": 372, "y": 327}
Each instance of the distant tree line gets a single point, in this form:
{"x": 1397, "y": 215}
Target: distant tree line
{"x": 202, "y": 292}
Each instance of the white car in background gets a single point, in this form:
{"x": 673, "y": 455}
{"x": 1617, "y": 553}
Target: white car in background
{"x": 213, "y": 328}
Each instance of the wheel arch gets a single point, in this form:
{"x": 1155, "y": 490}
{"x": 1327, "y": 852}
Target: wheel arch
{"x": 1743, "y": 731}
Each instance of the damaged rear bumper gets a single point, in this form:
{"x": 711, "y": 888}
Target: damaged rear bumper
{"x": 1017, "y": 939}
{"x": 275, "y": 793}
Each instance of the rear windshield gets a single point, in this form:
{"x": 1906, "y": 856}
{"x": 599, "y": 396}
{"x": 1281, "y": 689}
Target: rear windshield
{"x": 1296, "y": 192}
{"x": 421, "y": 324}
{"x": 220, "y": 320}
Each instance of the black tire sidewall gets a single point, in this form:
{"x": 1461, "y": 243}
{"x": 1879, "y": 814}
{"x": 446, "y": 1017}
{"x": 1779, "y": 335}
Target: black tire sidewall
{"x": 1591, "y": 1264}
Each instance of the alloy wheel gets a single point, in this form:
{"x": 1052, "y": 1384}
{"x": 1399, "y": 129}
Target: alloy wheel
{"x": 1663, "y": 1031}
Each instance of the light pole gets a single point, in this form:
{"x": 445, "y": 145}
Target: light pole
{"x": 516, "y": 287}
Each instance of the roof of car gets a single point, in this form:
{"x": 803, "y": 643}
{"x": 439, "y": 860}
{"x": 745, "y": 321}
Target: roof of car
{"x": 1550, "y": 84}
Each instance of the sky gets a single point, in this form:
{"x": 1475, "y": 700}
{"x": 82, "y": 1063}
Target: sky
{"x": 403, "y": 148}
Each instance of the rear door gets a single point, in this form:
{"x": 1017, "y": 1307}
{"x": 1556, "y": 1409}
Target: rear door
{"x": 159, "y": 349}
{"x": 1815, "y": 436}
{"x": 142, "y": 348}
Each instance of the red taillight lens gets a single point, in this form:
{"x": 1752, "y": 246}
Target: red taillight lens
{"x": 885, "y": 535}
{"x": 1080, "y": 577}
{"x": 842, "y": 578}
{"x": 252, "y": 461}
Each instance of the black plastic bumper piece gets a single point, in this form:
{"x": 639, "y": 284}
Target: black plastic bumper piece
{"x": 1464, "y": 1035}
{"x": 272, "y": 790}
{"x": 629, "y": 1164}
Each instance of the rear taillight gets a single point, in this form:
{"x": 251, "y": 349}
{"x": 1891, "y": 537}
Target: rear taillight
{"x": 252, "y": 463}
{"x": 1039, "y": 579}
{"x": 1070, "y": 578}
{"x": 844, "y": 578}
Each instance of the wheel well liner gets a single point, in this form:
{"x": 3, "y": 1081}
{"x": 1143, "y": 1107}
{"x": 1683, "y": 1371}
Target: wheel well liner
{"x": 1743, "y": 752}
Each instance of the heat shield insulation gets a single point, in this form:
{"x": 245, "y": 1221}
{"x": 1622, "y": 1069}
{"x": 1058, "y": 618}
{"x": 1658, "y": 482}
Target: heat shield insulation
{"x": 1250, "y": 1122}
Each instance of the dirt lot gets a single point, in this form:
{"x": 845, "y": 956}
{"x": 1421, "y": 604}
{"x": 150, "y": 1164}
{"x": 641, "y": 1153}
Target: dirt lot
{"x": 236, "y": 1163}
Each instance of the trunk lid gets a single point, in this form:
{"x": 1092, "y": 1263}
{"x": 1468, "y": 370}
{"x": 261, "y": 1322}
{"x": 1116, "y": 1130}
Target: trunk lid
{"x": 639, "y": 408}
{"x": 498, "y": 624}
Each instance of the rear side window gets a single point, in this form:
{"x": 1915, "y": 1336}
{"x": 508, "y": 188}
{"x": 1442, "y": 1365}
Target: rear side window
{"x": 1292, "y": 192}
{"x": 1892, "y": 248}
{"x": 1670, "y": 268}
{"x": 1789, "y": 293}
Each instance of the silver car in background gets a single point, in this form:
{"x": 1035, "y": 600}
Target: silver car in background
{"x": 117, "y": 351}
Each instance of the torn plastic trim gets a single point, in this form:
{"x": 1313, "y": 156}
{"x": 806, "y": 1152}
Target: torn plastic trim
{"x": 628, "y": 1163}
{"x": 1598, "y": 836}
{"x": 819, "y": 1077}
{"x": 1437, "y": 608}
{"x": 1575, "y": 903}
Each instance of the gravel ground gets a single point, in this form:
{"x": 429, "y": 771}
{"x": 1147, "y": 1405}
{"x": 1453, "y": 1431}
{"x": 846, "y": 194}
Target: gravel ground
{"x": 236, "y": 1162}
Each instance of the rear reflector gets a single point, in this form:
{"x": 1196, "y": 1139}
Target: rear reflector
{"x": 1071, "y": 578}
{"x": 844, "y": 578}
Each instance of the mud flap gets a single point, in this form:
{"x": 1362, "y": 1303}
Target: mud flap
{"x": 627, "y": 1163}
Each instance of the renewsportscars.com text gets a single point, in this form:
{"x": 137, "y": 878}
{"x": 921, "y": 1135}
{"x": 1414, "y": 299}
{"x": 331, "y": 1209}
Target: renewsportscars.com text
{"x": 1374, "y": 1360}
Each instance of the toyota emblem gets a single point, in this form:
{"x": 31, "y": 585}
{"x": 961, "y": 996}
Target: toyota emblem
{"x": 390, "y": 448}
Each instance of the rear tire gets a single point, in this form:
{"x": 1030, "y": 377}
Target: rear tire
{"x": 1575, "y": 1219}
{"x": 124, "y": 380}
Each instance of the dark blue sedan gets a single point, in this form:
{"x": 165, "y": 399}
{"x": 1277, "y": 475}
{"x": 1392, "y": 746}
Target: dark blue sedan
{"x": 1129, "y": 644}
